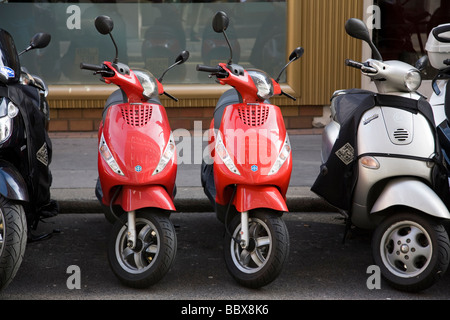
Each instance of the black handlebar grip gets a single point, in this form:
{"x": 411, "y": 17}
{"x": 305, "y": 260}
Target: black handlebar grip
{"x": 203, "y": 68}
{"x": 91, "y": 67}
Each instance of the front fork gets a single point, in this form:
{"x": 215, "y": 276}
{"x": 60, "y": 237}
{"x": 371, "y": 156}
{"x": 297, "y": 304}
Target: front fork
{"x": 131, "y": 229}
{"x": 245, "y": 238}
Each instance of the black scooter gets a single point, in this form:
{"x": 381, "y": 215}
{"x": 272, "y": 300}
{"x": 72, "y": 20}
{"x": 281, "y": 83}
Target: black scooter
{"x": 25, "y": 155}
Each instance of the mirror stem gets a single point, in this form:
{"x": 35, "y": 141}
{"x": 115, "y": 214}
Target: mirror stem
{"x": 229, "y": 46}
{"x": 116, "y": 59}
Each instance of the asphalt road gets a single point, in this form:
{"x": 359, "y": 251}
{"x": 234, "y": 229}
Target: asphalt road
{"x": 320, "y": 266}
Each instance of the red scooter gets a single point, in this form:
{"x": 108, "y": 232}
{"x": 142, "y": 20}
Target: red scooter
{"x": 137, "y": 170}
{"x": 248, "y": 170}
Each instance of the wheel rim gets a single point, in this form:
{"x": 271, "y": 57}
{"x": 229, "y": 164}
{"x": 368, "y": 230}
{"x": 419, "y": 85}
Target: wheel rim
{"x": 146, "y": 251}
{"x": 255, "y": 257}
{"x": 406, "y": 249}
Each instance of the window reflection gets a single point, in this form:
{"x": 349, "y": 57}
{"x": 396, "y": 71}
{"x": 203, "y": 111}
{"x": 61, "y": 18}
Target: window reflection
{"x": 405, "y": 26}
{"x": 149, "y": 34}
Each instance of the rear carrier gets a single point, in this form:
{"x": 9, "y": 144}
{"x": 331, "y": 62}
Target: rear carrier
{"x": 438, "y": 46}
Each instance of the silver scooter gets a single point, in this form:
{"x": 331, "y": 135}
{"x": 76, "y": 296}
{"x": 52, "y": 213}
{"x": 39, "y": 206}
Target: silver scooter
{"x": 381, "y": 168}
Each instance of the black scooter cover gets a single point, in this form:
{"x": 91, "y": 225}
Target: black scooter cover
{"x": 39, "y": 146}
{"x": 338, "y": 176}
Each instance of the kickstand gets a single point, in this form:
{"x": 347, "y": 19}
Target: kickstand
{"x": 35, "y": 238}
{"x": 45, "y": 236}
{"x": 348, "y": 225}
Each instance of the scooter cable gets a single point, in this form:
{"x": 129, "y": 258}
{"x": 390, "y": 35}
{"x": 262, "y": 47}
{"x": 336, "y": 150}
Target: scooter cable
{"x": 226, "y": 215}
{"x": 111, "y": 208}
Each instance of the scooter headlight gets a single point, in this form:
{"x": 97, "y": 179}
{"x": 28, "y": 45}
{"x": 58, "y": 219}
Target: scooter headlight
{"x": 413, "y": 80}
{"x": 148, "y": 83}
{"x": 282, "y": 157}
{"x": 5, "y": 128}
{"x": 263, "y": 84}
{"x": 6, "y": 120}
{"x": 108, "y": 157}
{"x": 167, "y": 155}
{"x": 223, "y": 154}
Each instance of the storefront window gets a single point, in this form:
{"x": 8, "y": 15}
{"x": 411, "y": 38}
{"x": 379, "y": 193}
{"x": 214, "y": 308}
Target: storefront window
{"x": 405, "y": 26}
{"x": 149, "y": 34}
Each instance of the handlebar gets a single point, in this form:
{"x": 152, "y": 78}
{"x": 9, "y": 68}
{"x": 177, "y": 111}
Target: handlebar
{"x": 92, "y": 67}
{"x": 209, "y": 69}
{"x": 216, "y": 70}
{"x": 105, "y": 71}
{"x": 360, "y": 66}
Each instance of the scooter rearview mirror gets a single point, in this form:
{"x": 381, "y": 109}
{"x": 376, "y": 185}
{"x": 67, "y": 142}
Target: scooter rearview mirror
{"x": 104, "y": 24}
{"x": 40, "y": 40}
{"x": 357, "y": 29}
{"x": 182, "y": 57}
{"x": 220, "y": 22}
{"x": 296, "y": 54}
{"x": 422, "y": 63}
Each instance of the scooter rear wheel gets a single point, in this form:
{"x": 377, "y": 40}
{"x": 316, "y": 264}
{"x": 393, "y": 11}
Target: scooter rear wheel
{"x": 153, "y": 255}
{"x": 264, "y": 258}
{"x": 412, "y": 251}
{"x": 13, "y": 240}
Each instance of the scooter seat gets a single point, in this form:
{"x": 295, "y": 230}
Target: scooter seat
{"x": 345, "y": 102}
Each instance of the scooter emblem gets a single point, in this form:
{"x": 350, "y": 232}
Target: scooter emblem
{"x": 138, "y": 168}
{"x": 254, "y": 168}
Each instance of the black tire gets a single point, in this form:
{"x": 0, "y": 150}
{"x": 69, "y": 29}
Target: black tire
{"x": 271, "y": 256}
{"x": 156, "y": 232}
{"x": 13, "y": 240}
{"x": 412, "y": 251}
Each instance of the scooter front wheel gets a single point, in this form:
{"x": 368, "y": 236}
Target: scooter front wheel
{"x": 13, "y": 240}
{"x": 263, "y": 259}
{"x": 154, "y": 252}
{"x": 412, "y": 251}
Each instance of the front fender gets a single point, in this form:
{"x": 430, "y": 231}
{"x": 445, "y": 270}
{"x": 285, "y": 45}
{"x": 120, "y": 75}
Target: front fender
{"x": 253, "y": 197}
{"x": 12, "y": 184}
{"x": 139, "y": 197}
{"x": 411, "y": 193}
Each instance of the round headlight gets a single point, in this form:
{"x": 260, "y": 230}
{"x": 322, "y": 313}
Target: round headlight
{"x": 413, "y": 80}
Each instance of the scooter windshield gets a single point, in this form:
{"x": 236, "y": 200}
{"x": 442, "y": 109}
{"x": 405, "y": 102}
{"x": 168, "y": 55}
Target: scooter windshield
{"x": 9, "y": 59}
{"x": 263, "y": 83}
{"x": 148, "y": 82}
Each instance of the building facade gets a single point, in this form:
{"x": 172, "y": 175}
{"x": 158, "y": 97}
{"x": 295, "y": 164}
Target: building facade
{"x": 150, "y": 34}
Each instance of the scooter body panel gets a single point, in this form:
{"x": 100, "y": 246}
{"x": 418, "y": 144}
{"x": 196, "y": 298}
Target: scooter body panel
{"x": 253, "y": 135}
{"x": 411, "y": 193}
{"x": 137, "y": 147}
{"x": 395, "y": 138}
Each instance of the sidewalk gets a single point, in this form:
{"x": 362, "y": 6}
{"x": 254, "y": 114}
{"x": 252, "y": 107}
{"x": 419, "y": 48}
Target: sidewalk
{"x": 74, "y": 169}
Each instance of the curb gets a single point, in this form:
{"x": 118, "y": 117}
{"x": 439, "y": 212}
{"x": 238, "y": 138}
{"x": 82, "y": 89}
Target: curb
{"x": 188, "y": 199}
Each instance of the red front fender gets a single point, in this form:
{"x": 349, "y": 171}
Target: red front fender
{"x": 253, "y": 197}
{"x": 138, "y": 197}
